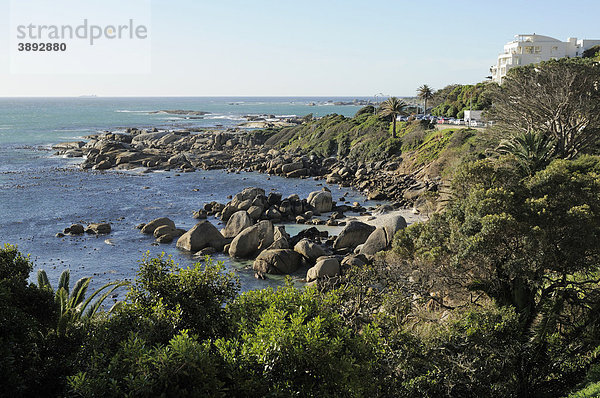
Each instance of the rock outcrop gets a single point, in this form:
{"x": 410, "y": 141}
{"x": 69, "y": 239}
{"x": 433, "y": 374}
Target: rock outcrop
{"x": 354, "y": 233}
{"x": 202, "y": 235}
{"x": 278, "y": 261}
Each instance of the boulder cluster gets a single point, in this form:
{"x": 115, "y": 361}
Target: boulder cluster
{"x": 79, "y": 229}
{"x": 163, "y": 229}
{"x": 250, "y": 233}
{"x": 240, "y": 151}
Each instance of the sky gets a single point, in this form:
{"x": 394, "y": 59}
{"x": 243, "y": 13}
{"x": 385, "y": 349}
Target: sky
{"x": 308, "y": 48}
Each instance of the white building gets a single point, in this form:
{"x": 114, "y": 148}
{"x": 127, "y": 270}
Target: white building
{"x": 531, "y": 49}
{"x": 473, "y": 116}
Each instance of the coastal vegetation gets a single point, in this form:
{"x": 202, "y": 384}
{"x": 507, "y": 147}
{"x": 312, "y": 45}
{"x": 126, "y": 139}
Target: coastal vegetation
{"x": 392, "y": 107}
{"x": 451, "y": 101}
{"x": 425, "y": 93}
{"x": 495, "y": 295}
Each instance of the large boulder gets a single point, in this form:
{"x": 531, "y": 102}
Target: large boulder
{"x": 247, "y": 194}
{"x": 394, "y": 224}
{"x": 354, "y": 260}
{"x": 238, "y": 222}
{"x": 325, "y": 267}
{"x": 382, "y": 237}
{"x": 321, "y": 201}
{"x": 255, "y": 212}
{"x": 280, "y": 243}
{"x": 266, "y": 234}
{"x": 354, "y": 234}
{"x": 159, "y": 222}
{"x": 98, "y": 228}
{"x": 376, "y": 242}
{"x": 278, "y": 261}
{"x": 75, "y": 229}
{"x": 202, "y": 235}
{"x": 246, "y": 243}
{"x": 279, "y": 232}
{"x": 163, "y": 230}
{"x": 311, "y": 251}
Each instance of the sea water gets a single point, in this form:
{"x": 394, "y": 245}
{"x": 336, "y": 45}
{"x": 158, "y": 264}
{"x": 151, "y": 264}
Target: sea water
{"x": 41, "y": 194}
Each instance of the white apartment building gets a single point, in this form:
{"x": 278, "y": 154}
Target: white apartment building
{"x": 531, "y": 49}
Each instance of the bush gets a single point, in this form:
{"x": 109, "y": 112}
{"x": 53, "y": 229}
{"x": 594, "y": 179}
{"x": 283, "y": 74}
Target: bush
{"x": 529, "y": 244}
{"x": 33, "y": 361}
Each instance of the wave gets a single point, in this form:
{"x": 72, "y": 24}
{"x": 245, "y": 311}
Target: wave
{"x": 225, "y": 117}
{"x": 130, "y": 111}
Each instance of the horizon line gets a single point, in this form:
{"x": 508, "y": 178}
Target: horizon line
{"x": 91, "y": 96}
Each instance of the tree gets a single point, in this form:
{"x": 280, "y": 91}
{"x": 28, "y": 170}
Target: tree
{"x": 393, "y": 107}
{"x": 72, "y": 304}
{"x": 530, "y": 244}
{"x": 531, "y": 149}
{"x": 560, "y": 98}
{"x": 425, "y": 93}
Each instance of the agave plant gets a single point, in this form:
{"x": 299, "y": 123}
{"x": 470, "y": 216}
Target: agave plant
{"x": 533, "y": 150}
{"x": 73, "y": 306}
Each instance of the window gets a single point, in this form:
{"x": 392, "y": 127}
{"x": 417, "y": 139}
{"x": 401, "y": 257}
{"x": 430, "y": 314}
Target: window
{"x": 537, "y": 49}
{"x": 554, "y": 49}
{"x": 528, "y": 49}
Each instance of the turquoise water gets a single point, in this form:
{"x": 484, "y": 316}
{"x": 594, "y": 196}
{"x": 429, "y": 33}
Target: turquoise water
{"x": 41, "y": 194}
{"x": 41, "y": 120}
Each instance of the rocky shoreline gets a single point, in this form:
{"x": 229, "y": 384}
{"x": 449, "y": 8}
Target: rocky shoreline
{"x": 251, "y": 232}
{"x": 242, "y": 151}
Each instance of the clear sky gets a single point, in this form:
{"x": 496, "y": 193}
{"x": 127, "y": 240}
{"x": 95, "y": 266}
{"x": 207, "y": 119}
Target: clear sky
{"x": 314, "y": 48}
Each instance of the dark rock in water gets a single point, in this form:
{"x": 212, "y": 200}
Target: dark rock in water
{"x": 166, "y": 238}
{"x": 60, "y": 235}
{"x": 163, "y": 230}
{"x": 98, "y": 228}
{"x": 280, "y": 243}
{"x": 252, "y": 239}
{"x": 159, "y": 222}
{"x": 311, "y": 233}
{"x": 140, "y": 226}
{"x": 321, "y": 201}
{"x": 207, "y": 251}
{"x": 200, "y": 214}
{"x": 354, "y": 234}
{"x": 237, "y": 223}
{"x": 255, "y": 212}
{"x": 103, "y": 165}
{"x": 274, "y": 199}
{"x": 311, "y": 251}
{"x": 278, "y": 261}
{"x": 75, "y": 229}
{"x": 202, "y": 235}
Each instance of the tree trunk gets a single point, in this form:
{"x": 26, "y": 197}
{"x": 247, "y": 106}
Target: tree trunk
{"x": 394, "y": 126}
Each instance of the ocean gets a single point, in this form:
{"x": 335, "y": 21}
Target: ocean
{"x": 41, "y": 194}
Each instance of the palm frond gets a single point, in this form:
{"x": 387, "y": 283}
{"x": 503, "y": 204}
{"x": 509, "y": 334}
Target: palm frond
{"x": 533, "y": 150}
{"x": 78, "y": 293}
{"x": 64, "y": 280}
{"x": 42, "y": 280}
{"x": 91, "y": 311}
